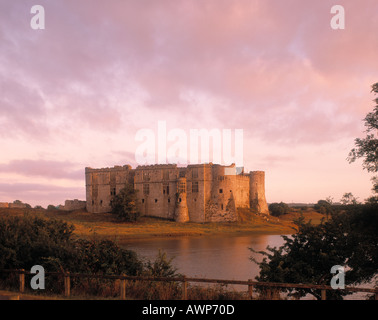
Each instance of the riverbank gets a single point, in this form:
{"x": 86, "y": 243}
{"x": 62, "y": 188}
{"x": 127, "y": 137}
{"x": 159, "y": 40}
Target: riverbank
{"x": 105, "y": 226}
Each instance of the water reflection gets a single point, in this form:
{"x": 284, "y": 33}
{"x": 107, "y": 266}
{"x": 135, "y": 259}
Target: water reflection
{"x": 210, "y": 257}
{"x": 215, "y": 257}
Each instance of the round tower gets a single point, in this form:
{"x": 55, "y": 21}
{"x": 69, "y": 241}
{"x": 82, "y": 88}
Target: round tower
{"x": 257, "y": 192}
{"x": 181, "y": 209}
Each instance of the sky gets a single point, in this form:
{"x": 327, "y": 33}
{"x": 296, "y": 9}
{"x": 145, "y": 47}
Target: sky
{"x": 76, "y": 93}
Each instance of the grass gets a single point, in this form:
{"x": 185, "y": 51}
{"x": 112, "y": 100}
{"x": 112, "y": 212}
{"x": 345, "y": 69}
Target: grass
{"x": 104, "y": 225}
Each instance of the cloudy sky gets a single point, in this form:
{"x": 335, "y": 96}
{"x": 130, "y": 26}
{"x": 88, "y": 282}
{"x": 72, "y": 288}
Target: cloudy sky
{"x": 76, "y": 93}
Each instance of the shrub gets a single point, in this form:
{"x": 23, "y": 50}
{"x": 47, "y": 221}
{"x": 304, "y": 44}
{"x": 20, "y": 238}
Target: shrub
{"x": 278, "y": 209}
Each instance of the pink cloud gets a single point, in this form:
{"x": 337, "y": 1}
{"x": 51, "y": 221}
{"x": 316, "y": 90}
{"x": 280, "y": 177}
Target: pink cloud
{"x": 100, "y": 72}
{"x": 44, "y": 168}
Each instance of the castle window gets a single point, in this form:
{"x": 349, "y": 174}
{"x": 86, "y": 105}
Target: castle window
{"x": 92, "y": 202}
{"x": 113, "y": 192}
{"x": 179, "y": 199}
{"x": 220, "y": 190}
{"x": 222, "y": 206}
{"x": 182, "y": 174}
{"x": 165, "y": 188}
{"x": 146, "y": 189}
{"x": 155, "y": 200}
{"x": 169, "y": 200}
{"x": 142, "y": 200}
{"x": 146, "y": 176}
{"x": 194, "y": 186}
{"x": 195, "y": 173}
{"x": 181, "y": 187}
{"x": 101, "y": 202}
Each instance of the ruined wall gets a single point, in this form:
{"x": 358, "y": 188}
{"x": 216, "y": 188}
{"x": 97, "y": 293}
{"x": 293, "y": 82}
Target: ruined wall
{"x": 221, "y": 206}
{"x": 156, "y": 190}
{"x": 257, "y": 192}
{"x": 197, "y": 181}
{"x": 103, "y": 184}
{"x": 75, "y": 204}
{"x": 211, "y": 192}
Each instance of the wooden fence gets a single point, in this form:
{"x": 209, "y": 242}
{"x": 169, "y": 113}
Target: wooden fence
{"x": 269, "y": 286}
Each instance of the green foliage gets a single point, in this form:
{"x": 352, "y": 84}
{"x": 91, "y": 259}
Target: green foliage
{"x": 347, "y": 239}
{"x": 367, "y": 148}
{"x": 278, "y": 209}
{"x": 26, "y": 241}
{"x": 106, "y": 257}
{"x": 348, "y": 199}
{"x": 161, "y": 267}
{"x": 124, "y": 204}
{"x": 324, "y": 207}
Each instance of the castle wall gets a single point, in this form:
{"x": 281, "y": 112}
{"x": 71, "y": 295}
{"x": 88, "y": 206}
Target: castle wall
{"x": 102, "y": 184}
{"x": 195, "y": 179}
{"x": 212, "y": 192}
{"x": 73, "y": 205}
{"x": 257, "y": 192}
{"x": 222, "y": 203}
{"x": 156, "y": 187}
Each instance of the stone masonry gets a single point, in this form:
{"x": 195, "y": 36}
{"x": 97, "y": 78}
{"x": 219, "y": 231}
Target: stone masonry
{"x": 197, "y": 193}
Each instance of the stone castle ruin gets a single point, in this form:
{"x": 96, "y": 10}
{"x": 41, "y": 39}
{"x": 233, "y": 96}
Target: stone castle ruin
{"x": 197, "y": 193}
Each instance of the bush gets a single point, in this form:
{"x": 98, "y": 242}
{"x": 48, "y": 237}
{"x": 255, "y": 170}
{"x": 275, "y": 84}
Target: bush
{"x": 278, "y": 209}
{"x": 26, "y": 241}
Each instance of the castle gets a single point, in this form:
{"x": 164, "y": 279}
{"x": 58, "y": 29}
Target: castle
{"x": 197, "y": 193}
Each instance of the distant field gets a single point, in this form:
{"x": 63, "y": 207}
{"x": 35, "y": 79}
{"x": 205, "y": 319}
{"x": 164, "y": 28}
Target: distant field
{"x": 89, "y": 225}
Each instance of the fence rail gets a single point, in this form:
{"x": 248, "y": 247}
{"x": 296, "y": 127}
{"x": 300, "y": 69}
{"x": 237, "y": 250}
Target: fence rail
{"x": 184, "y": 280}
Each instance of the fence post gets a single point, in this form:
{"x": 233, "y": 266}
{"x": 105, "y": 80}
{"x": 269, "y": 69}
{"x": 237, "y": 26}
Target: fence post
{"x": 324, "y": 294}
{"x": 250, "y": 289}
{"x": 122, "y": 289}
{"x": 185, "y": 289}
{"x": 67, "y": 284}
{"x": 22, "y": 280}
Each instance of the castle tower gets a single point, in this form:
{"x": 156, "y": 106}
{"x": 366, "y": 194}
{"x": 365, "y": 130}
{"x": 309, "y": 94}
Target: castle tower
{"x": 181, "y": 209}
{"x": 257, "y": 192}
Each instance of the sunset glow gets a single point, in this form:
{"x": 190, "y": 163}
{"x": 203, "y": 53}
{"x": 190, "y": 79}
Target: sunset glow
{"x": 75, "y": 94}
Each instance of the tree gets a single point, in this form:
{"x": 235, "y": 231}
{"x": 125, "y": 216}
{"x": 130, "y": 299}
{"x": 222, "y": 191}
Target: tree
{"x": 367, "y": 148}
{"x": 324, "y": 207}
{"x": 278, "y": 209}
{"x": 348, "y": 199}
{"x": 347, "y": 239}
{"x": 124, "y": 204}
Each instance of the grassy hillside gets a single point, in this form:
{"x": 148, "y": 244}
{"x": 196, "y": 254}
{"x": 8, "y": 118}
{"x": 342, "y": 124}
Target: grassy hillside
{"x": 88, "y": 225}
